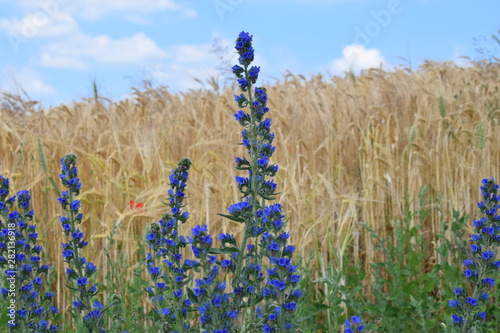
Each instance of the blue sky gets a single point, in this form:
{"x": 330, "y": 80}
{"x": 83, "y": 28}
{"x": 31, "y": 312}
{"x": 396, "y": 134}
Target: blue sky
{"x": 54, "y": 49}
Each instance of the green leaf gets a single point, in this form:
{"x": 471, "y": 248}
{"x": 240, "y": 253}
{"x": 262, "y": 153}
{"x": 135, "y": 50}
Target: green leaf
{"x": 72, "y": 288}
{"x": 318, "y": 307}
{"x": 268, "y": 197}
{"x": 154, "y": 315}
{"x": 192, "y": 297}
{"x": 225, "y": 250}
{"x": 430, "y": 323}
{"x": 232, "y": 218}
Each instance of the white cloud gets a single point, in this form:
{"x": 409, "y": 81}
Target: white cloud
{"x": 188, "y": 13}
{"x": 95, "y": 9}
{"x": 356, "y": 58}
{"x": 138, "y": 19}
{"x": 48, "y": 59}
{"x": 458, "y": 56}
{"x": 25, "y": 79}
{"x": 190, "y": 53}
{"x": 77, "y": 51}
{"x": 40, "y": 24}
{"x": 323, "y": 1}
{"x": 184, "y": 64}
{"x": 182, "y": 76}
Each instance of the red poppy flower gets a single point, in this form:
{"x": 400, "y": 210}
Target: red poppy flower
{"x": 136, "y": 205}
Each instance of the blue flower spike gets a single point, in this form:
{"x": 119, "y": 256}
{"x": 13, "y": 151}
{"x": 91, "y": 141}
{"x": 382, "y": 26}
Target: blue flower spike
{"x": 20, "y": 260}
{"x": 481, "y": 268}
{"x": 80, "y": 272}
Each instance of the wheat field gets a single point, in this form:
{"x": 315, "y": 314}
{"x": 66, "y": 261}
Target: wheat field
{"x": 350, "y": 149}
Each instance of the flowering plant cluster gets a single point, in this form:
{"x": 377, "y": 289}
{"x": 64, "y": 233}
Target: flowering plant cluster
{"x": 165, "y": 243}
{"x": 263, "y": 270}
{"x": 263, "y": 279}
{"x": 30, "y": 304}
{"x": 80, "y": 271}
{"x": 481, "y": 267}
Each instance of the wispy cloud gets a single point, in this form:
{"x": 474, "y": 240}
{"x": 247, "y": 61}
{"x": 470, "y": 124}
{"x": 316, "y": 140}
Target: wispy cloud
{"x": 138, "y": 19}
{"x": 38, "y": 25}
{"x": 96, "y": 9}
{"x": 184, "y": 63}
{"x": 322, "y": 1}
{"x": 79, "y": 50}
{"x": 25, "y": 79}
{"x": 458, "y": 56}
{"x": 185, "y": 66}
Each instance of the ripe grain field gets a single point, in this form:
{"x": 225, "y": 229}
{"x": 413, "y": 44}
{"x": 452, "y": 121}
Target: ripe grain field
{"x": 350, "y": 150}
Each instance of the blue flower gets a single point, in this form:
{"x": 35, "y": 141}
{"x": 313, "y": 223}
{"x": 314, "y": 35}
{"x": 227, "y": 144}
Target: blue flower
{"x": 484, "y": 296}
{"x": 278, "y": 284}
{"x": 198, "y": 230}
{"x": 75, "y": 205}
{"x": 239, "y": 208}
{"x": 468, "y": 262}
{"x": 481, "y": 315}
{"x": 154, "y": 271}
{"x": 262, "y": 162}
{"x": 487, "y": 255}
{"x": 237, "y": 69}
{"x": 476, "y": 238}
{"x": 191, "y": 263}
{"x": 82, "y": 281}
{"x": 355, "y": 322}
{"x": 90, "y": 268}
{"x": 77, "y": 235}
{"x": 489, "y": 281}
{"x": 243, "y": 83}
{"x": 273, "y": 246}
{"x": 457, "y": 319}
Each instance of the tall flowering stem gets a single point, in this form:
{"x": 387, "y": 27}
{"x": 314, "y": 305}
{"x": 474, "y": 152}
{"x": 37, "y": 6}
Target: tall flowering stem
{"x": 481, "y": 267}
{"x": 174, "y": 294}
{"x": 20, "y": 258}
{"x": 164, "y": 262}
{"x": 80, "y": 271}
{"x": 270, "y": 298}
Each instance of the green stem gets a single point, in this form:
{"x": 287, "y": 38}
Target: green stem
{"x": 253, "y": 139}
{"x": 253, "y": 157}
{"x": 76, "y": 259}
